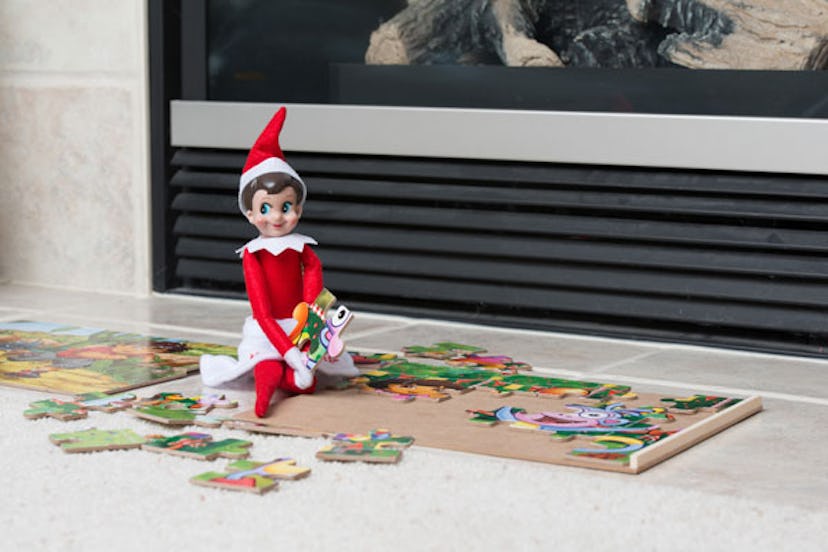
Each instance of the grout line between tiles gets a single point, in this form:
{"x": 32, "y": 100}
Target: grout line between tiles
{"x": 375, "y": 331}
{"x": 616, "y": 364}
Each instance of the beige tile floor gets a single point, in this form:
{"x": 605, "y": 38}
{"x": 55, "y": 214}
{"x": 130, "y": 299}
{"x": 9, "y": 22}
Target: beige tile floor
{"x": 779, "y": 456}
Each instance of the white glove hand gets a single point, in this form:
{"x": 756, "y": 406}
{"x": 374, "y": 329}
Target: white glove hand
{"x": 301, "y": 375}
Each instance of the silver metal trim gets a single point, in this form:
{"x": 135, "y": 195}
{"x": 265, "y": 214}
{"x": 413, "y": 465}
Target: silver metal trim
{"x": 697, "y": 142}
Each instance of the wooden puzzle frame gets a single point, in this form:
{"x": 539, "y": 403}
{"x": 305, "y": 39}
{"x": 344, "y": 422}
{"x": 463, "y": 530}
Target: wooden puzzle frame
{"x": 446, "y": 424}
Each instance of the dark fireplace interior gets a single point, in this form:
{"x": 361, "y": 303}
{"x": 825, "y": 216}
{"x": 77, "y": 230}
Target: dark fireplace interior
{"x": 725, "y": 258}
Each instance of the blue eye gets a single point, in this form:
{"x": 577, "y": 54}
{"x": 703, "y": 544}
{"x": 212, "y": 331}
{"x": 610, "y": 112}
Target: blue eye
{"x": 265, "y": 208}
{"x": 286, "y": 206}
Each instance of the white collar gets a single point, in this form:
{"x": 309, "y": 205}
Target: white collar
{"x": 277, "y": 245}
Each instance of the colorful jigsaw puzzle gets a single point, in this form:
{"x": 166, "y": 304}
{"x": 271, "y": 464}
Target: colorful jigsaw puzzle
{"x": 601, "y": 425}
{"x": 61, "y": 358}
{"x": 380, "y": 446}
{"x": 253, "y": 477}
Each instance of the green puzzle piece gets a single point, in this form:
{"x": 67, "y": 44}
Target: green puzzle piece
{"x": 55, "y": 408}
{"x": 98, "y": 400}
{"x": 90, "y": 440}
{"x": 199, "y": 445}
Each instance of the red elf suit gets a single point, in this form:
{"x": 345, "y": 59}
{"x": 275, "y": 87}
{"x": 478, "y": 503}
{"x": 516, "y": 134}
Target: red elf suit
{"x": 279, "y": 272}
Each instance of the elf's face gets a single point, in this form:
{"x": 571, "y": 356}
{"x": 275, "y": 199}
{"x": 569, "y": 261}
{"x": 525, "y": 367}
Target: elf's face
{"x": 275, "y": 215}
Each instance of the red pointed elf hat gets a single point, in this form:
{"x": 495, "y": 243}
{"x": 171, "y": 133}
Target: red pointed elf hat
{"x": 266, "y": 157}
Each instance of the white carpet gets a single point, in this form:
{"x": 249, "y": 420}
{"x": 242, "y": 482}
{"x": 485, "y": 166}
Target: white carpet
{"x": 432, "y": 500}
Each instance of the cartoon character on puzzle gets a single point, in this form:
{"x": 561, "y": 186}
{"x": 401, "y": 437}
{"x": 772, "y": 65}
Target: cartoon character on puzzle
{"x": 281, "y": 271}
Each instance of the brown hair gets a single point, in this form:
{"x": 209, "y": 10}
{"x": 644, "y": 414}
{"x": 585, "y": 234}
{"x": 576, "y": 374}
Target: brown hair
{"x": 273, "y": 183}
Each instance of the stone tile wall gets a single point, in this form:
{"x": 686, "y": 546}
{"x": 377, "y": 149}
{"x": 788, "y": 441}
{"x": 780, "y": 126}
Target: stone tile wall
{"x": 74, "y": 169}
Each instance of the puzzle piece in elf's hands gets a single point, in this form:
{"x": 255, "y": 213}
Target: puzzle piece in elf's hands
{"x": 320, "y": 325}
{"x": 199, "y": 446}
{"x": 441, "y": 351}
{"x": 250, "y": 476}
{"x": 55, "y": 408}
{"x": 176, "y": 409}
{"x": 694, "y": 403}
{"x": 91, "y": 440}
{"x": 380, "y": 446}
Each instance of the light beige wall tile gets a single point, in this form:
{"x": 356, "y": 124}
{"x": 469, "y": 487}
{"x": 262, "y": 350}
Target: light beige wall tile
{"x": 68, "y": 199}
{"x": 68, "y": 35}
{"x": 73, "y": 153}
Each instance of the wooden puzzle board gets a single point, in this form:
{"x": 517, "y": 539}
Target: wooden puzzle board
{"x": 446, "y": 424}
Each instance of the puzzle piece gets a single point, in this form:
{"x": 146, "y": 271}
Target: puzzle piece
{"x": 374, "y": 360}
{"x": 55, "y": 408}
{"x": 175, "y": 409}
{"x": 505, "y": 384}
{"x": 380, "y": 446}
{"x": 442, "y": 351}
{"x": 91, "y": 440}
{"x": 199, "y": 446}
{"x": 173, "y": 401}
{"x": 104, "y": 402}
{"x": 250, "y": 476}
{"x": 502, "y": 363}
{"x": 320, "y": 328}
{"x": 694, "y": 403}
{"x": 405, "y": 380}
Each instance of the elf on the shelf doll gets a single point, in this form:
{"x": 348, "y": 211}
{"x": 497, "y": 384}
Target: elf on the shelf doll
{"x": 280, "y": 270}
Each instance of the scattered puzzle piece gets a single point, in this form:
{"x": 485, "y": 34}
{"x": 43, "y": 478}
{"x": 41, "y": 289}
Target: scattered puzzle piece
{"x": 79, "y": 407}
{"x": 380, "y": 446}
{"x": 55, "y": 408}
{"x": 175, "y": 409}
{"x": 199, "y": 446}
{"x": 104, "y": 402}
{"x": 91, "y": 440}
{"x": 250, "y": 476}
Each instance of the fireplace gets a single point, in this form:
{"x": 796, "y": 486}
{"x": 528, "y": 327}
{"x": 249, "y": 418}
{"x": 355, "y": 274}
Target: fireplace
{"x": 636, "y": 198}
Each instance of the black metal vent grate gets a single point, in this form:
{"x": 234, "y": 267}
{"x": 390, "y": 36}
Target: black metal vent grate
{"x": 694, "y": 256}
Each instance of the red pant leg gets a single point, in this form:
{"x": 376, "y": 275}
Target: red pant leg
{"x": 269, "y": 375}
